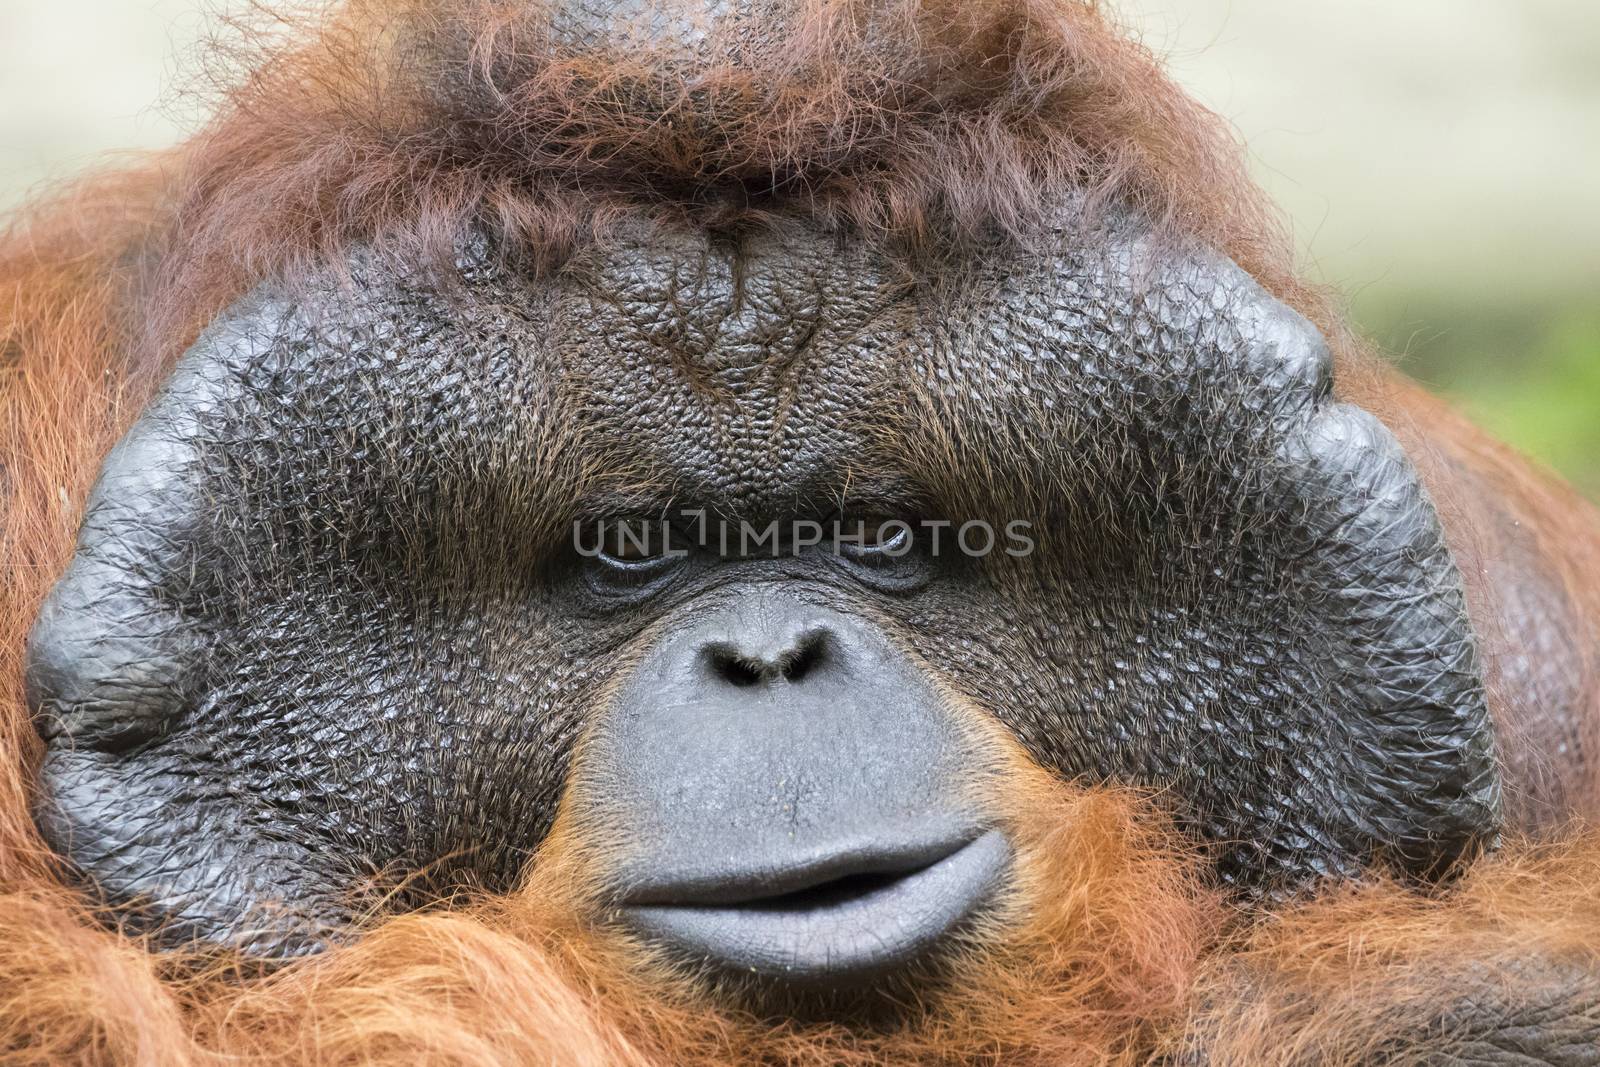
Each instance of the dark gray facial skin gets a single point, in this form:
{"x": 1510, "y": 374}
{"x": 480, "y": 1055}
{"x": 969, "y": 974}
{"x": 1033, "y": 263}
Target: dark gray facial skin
{"x": 327, "y": 621}
{"x": 789, "y": 792}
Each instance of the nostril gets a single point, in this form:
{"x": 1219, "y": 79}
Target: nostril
{"x": 733, "y": 668}
{"x": 809, "y": 653}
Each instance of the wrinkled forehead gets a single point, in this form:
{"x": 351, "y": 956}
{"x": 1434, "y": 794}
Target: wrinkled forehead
{"x": 753, "y": 371}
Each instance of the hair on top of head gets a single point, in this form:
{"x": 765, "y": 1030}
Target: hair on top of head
{"x": 923, "y": 125}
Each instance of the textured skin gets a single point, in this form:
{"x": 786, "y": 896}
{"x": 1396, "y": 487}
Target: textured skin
{"x": 326, "y": 619}
{"x": 1519, "y": 1015}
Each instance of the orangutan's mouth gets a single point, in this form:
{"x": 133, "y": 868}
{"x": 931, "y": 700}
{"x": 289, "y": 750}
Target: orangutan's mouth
{"x": 832, "y": 923}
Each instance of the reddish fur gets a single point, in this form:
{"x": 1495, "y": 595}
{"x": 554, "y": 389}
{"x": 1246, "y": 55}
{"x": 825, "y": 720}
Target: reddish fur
{"x": 1112, "y": 953}
{"x": 1338, "y": 981}
{"x": 65, "y": 321}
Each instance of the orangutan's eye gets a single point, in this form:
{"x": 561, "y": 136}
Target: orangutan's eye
{"x": 874, "y": 537}
{"x": 631, "y": 556}
{"x": 629, "y": 541}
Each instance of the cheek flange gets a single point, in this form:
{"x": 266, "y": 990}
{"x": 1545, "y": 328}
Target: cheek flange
{"x": 1391, "y": 757}
{"x": 1409, "y": 744}
{"x": 302, "y": 663}
{"x": 1243, "y": 597}
{"x": 117, "y": 663}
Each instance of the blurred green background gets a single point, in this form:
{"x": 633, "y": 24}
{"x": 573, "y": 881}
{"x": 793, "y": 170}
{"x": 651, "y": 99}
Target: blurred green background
{"x": 1439, "y": 161}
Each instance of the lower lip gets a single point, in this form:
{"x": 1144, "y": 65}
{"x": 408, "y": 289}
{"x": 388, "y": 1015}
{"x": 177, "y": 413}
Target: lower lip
{"x": 838, "y": 943}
